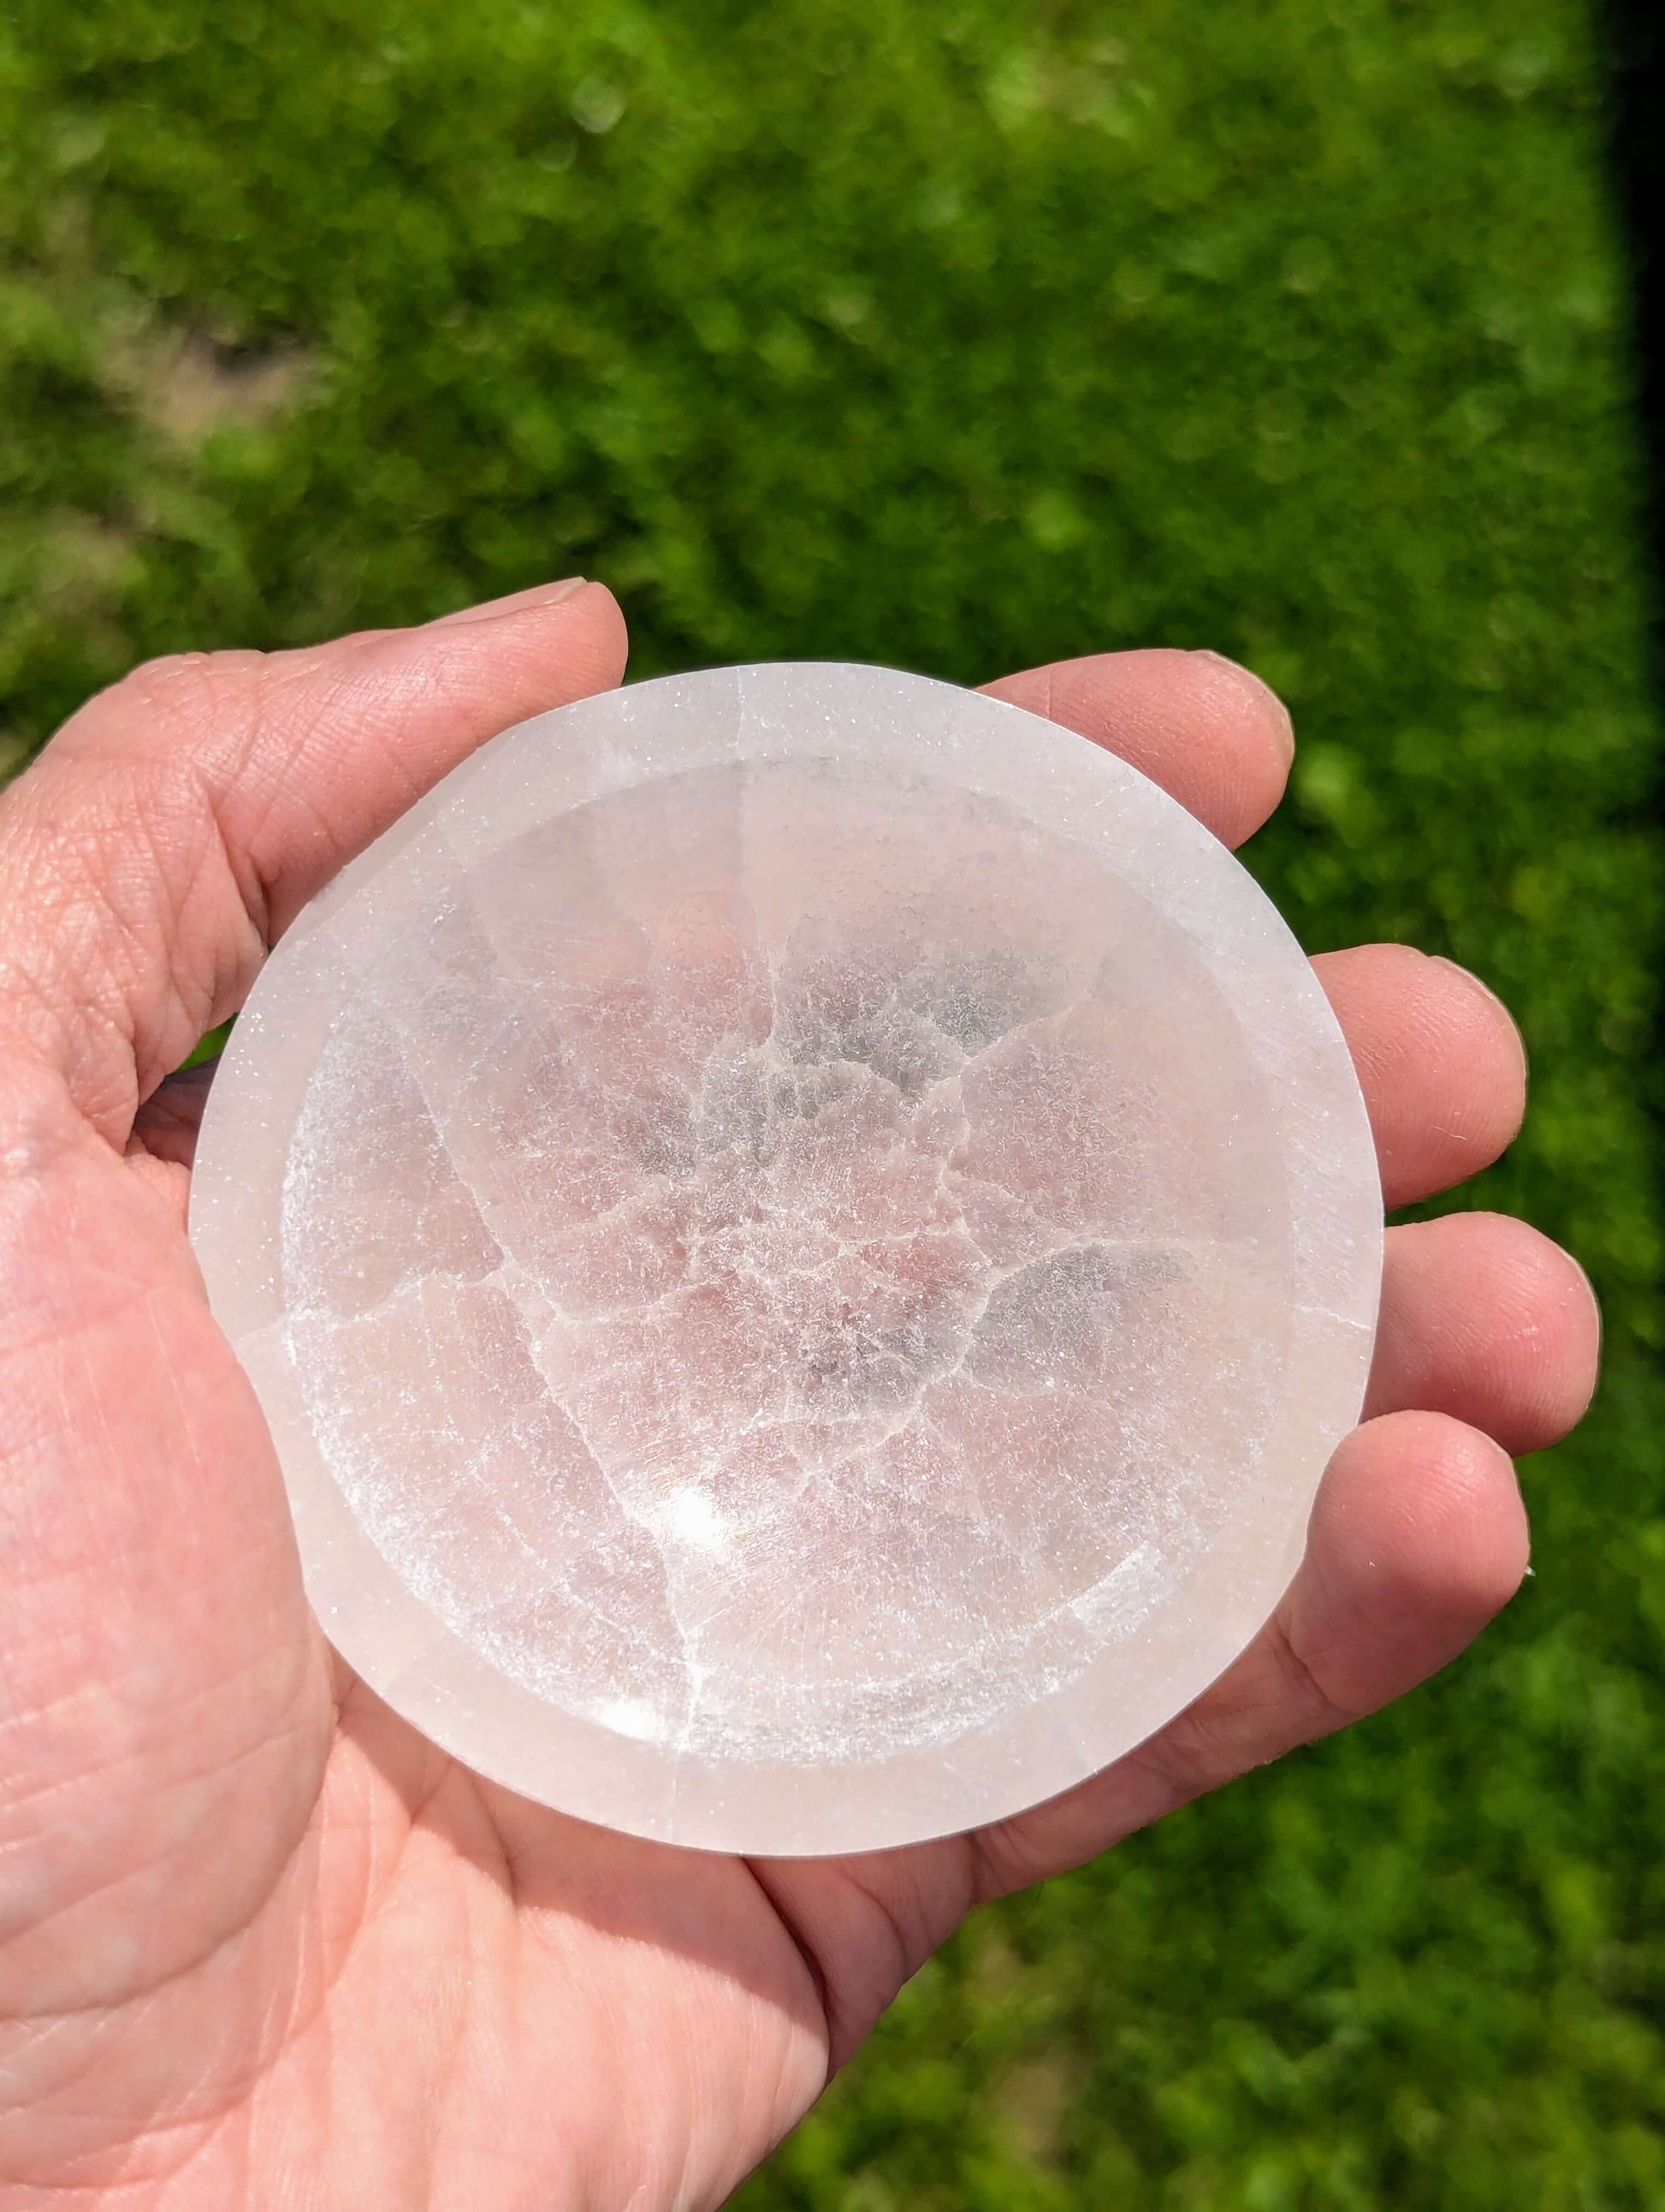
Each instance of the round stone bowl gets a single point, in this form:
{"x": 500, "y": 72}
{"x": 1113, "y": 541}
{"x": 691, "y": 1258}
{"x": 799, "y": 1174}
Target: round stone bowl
{"x": 805, "y": 1237}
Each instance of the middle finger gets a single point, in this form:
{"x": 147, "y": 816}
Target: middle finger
{"x": 1439, "y": 1061}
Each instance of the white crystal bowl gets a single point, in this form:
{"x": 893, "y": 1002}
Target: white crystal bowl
{"x": 805, "y": 1237}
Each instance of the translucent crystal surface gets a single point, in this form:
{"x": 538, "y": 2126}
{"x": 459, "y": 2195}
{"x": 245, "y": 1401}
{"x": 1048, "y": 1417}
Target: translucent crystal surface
{"x": 805, "y": 1237}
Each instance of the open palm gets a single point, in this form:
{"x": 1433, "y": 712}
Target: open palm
{"x": 260, "y": 1944}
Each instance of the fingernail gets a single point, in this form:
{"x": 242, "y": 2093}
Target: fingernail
{"x": 1273, "y": 709}
{"x": 513, "y": 603}
{"x": 1505, "y": 1019}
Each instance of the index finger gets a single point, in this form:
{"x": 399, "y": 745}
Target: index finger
{"x": 1209, "y": 731}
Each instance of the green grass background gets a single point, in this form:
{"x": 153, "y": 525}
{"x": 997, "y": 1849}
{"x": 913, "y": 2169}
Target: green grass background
{"x": 962, "y": 334}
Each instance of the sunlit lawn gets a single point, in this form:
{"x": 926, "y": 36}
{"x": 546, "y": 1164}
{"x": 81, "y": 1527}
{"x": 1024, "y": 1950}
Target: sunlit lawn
{"x": 960, "y": 336}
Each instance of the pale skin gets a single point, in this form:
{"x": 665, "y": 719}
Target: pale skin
{"x": 260, "y": 1944}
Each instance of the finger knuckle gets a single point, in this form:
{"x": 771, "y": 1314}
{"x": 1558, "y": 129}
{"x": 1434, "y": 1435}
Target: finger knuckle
{"x": 178, "y": 688}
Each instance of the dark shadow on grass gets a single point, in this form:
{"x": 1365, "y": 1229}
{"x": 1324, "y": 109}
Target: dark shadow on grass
{"x": 1634, "y": 32}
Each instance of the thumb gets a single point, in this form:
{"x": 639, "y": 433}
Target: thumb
{"x": 170, "y": 832}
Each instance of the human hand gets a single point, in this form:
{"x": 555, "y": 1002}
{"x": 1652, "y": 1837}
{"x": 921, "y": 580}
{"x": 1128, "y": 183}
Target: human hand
{"x": 260, "y": 1943}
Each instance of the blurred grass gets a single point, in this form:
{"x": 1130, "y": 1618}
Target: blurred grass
{"x": 960, "y": 338}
